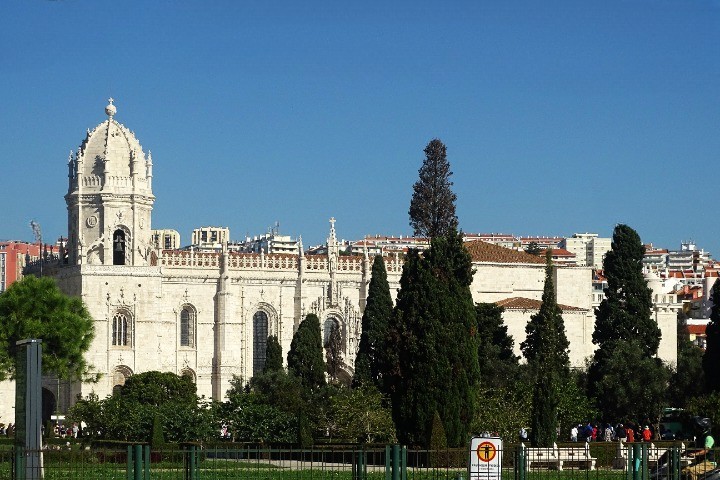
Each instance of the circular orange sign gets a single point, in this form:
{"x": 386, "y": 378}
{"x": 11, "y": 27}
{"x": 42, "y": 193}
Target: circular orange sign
{"x": 486, "y": 451}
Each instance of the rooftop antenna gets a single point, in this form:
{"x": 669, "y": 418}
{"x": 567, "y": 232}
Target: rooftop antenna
{"x": 37, "y": 232}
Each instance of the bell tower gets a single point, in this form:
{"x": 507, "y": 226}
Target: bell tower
{"x": 109, "y": 197}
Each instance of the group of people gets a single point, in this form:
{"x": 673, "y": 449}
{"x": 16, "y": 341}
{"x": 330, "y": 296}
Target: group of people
{"x": 607, "y": 433}
{"x": 8, "y": 430}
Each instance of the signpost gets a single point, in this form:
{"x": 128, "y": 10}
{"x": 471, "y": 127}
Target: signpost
{"x": 485, "y": 458}
{"x": 28, "y": 410}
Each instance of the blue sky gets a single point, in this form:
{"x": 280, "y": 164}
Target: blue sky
{"x": 559, "y": 116}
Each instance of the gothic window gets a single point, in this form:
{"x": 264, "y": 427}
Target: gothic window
{"x": 187, "y": 326}
{"x": 260, "y": 336}
{"x": 120, "y": 376}
{"x": 330, "y": 322}
{"x": 119, "y": 247}
{"x": 122, "y": 329}
{"x": 188, "y": 373}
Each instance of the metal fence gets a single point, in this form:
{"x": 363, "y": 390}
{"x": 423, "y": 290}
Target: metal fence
{"x": 139, "y": 462}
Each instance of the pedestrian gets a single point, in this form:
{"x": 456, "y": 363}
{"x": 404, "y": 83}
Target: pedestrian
{"x": 523, "y": 434}
{"x": 608, "y": 433}
{"x": 574, "y": 433}
{"x": 646, "y": 434}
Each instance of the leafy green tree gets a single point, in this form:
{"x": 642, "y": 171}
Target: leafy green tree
{"x": 546, "y": 350}
{"x": 496, "y": 358}
{"x": 333, "y": 352}
{"x": 432, "y": 208}
{"x": 273, "y": 355}
{"x": 711, "y": 359}
{"x": 130, "y": 415}
{"x": 155, "y": 388}
{"x": 533, "y": 248}
{"x": 305, "y": 358}
{"x": 251, "y": 417}
{"x": 687, "y": 380}
{"x": 371, "y": 361}
{"x": 434, "y": 340}
{"x": 35, "y": 308}
{"x": 624, "y": 326}
{"x": 631, "y": 384}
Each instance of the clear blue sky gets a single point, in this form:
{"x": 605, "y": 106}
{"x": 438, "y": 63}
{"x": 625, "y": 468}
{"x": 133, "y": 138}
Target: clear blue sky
{"x": 559, "y": 116}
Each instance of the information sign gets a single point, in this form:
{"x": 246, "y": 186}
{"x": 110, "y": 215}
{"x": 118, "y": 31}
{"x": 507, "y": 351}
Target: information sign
{"x": 485, "y": 458}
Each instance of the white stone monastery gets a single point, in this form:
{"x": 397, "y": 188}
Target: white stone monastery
{"x": 208, "y": 315}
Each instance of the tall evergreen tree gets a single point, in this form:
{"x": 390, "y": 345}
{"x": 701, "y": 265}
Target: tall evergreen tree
{"x": 432, "y": 208}
{"x": 626, "y": 311}
{"x": 371, "y": 361}
{"x": 546, "y": 350}
{"x": 624, "y": 329}
{"x": 434, "y": 337}
{"x": 305, "y": 358}
{"x": 711, "y": 359}
{"x": 496, "y": 358}
{"x": 273, "y": 355}
{"x": 333, "y": 352}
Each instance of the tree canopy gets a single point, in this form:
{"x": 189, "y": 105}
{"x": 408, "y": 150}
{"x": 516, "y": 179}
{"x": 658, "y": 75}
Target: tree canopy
{"x": 434, "y": 337}
{"x": 627, "y": 335}
{"x": 35, "y": 308}
{"x": 432, "y": 208}
{"x": 626, "y": 311}
{"x": 371, "y": 361}
{"x": 496, "y": 358}
{"x": 305, "y": 358}
{"x": 546, "y": 350}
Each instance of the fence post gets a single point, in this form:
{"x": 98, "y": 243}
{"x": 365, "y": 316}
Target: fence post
{"x": 190, "y": 461}
{"x": 358, "y": 465}
{"x": 520, "y": 462}
{"x": 403, "y": 466}
{"x": 388, "y": 463}
{"x": 395, "y": 462}
{"x": 674, "y": 463}
{"x": 129, "y": 463}
{"x": 18, "y": 466}
{"x": 146, "y": 461}
{"x": 138, "y": 464}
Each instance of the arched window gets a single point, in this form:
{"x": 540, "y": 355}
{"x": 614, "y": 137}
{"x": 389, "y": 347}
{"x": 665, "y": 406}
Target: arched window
{"x": 187, "y": 327}
{"x": 328, "y": 326}
{"x": 260, "y": 336}
{"x": 120, "y": 376}
{"x": 121, "y": 329}
{"x": 188, "y": 373}
{"x": 119, "y": 247}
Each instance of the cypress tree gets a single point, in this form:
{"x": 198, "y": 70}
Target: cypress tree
{"x": 496, "y": 358}
{"x": 546, "y": 350}
{"x": 371, "y": 361}
{"x": 711, "y": 358}
{"x": 624, "y": 329}
{"x": 626, "y": 311}
{"x": 432, "y": 208}
{"x": 333, "y": 352}
{"x": 434, "y": 338}
{"x": 305, "y": 358}
{"x": 273, "y": 355}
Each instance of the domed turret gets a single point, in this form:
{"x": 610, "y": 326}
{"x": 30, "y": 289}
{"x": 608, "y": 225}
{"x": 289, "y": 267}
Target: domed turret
{"x": 109, "y": 197}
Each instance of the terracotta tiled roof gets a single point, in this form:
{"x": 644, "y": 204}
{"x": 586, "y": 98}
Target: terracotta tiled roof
{"x": 561, "y": 252}
{"x": 520, "y": 303}
{"x": 696, "y": 329}
{"x": 490, "y": 253}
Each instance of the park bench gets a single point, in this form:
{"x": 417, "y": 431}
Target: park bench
{"x": 542, "y": 458}
{"x": 576, "y": 456}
